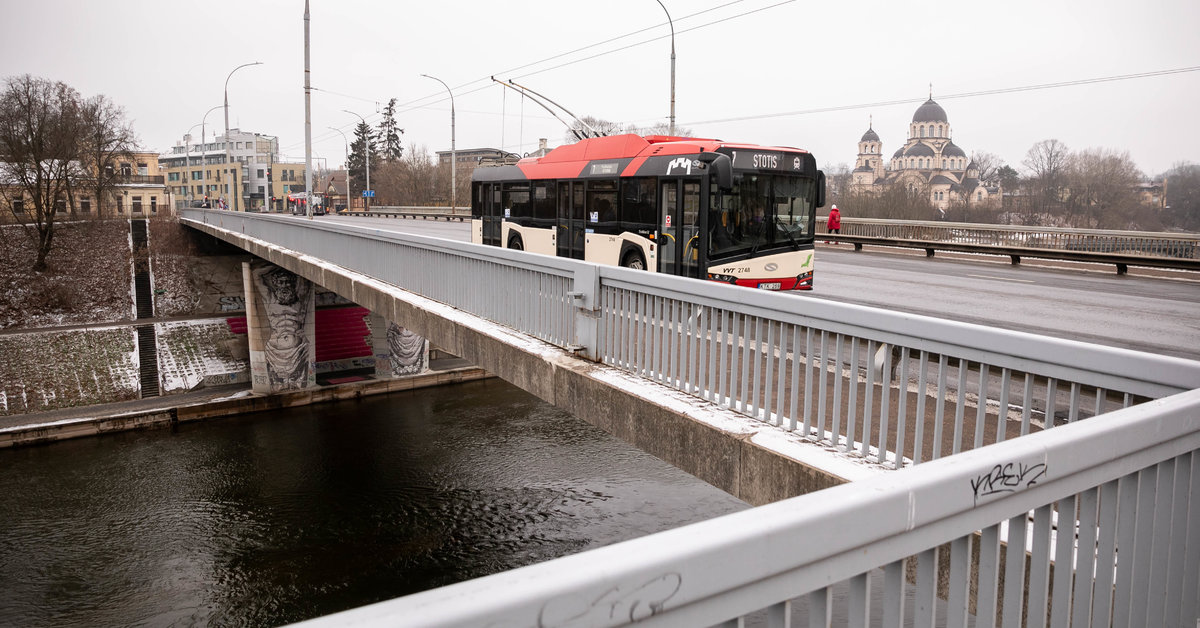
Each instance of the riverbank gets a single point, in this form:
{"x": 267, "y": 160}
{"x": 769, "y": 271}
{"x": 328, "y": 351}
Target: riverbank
{"x": 208, "y": 403}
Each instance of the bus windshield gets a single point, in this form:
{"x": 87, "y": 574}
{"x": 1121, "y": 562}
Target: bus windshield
{"x": 762, "y": 211}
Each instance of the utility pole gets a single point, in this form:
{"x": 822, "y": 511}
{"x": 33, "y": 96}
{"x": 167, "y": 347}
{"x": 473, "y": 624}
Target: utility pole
{"x": 307, "y": 121}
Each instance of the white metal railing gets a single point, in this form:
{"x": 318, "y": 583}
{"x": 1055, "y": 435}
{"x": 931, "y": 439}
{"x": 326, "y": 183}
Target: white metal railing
{"x": 899, "y": 389}
{"x": 1096, "y": 524}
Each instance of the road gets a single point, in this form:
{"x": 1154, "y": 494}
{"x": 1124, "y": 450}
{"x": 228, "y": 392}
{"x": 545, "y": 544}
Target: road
{"x": 1145, "y": 313}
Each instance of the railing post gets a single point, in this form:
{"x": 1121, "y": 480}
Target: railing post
{"x": 585, "y": 296}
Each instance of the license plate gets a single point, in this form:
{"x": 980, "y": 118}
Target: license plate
{"x": 774, "y": 285}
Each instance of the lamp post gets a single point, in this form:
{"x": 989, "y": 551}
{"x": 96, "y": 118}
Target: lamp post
{"x": 235, "y": 193}
{"x": 672, "y": 23}
{"x": 347, "y": 145}
{"x": 453, "y": 157}
{"x": 367, "y": 157}
{"x": 187, "y": 164}
{"x": 204, "y": 148}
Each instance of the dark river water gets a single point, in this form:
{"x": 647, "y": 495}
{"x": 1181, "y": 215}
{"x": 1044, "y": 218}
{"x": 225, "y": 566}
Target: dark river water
{"x": 282, "y": 516}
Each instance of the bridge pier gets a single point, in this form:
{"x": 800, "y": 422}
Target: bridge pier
{"x": 280, "y": 327}
{"x": 398, "y": 351}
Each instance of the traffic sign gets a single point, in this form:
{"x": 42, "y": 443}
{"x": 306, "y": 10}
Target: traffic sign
{"x": 368, "y": 193}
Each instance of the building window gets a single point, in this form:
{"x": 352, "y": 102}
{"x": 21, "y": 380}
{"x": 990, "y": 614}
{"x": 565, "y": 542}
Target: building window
{"x": 18, "y": 205}
{"x": 126, "y": 169}
{"x": 260, "y": 173}
{"x": 85, "y": 205}
{"x": 943, "y": 163}
{"x": 137, "y": 204}
{"x": 153, "y": 204}
{"x": 922, "y": 130}
{"x": 143, "y": 169}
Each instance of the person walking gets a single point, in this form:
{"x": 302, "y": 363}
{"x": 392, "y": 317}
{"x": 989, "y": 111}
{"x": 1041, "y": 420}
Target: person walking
{"x": 834, "y": 223}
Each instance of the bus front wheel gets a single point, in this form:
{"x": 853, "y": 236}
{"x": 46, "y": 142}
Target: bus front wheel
{"x": 515, "y": 244}
{"x": 634, "y": 260}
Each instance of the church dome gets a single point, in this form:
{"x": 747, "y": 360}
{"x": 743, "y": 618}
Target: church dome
{"x": 930, "y": 112}
{"x": 950, "y": 150}
{"x": 870, "y": 136}
{"x": 919, "y": 150}
{"x": 899, "y": 153}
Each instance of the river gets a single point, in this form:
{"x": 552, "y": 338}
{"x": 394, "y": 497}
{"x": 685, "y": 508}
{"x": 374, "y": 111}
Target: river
{"x": 282, "y": 516}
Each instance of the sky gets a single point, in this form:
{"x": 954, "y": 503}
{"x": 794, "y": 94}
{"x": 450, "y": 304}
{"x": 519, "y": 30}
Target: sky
{"x": 775, "y": 72}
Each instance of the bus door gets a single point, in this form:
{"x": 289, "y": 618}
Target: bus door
{"x": 492, "y": 214}
{"x": 571, "y": 225}
{"x": 679, "y": 226}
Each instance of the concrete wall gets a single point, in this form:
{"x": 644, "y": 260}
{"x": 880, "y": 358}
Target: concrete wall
{"x": 748, "y": 459}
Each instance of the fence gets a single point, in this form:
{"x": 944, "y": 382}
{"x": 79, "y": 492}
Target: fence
{"x": 1123, "y": 248}
{"x": 880, "y": 384}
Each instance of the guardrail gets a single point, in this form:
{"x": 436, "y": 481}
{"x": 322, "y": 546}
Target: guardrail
{"x": 1120, "y": 248}
{"x": 868, "y": 382}
{"x": 1096, "y": 524}
{"x": 424, "y": 213}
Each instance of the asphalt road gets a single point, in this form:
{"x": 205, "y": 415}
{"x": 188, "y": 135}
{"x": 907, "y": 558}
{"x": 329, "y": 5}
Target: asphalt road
{"x": 1154, "y": 312}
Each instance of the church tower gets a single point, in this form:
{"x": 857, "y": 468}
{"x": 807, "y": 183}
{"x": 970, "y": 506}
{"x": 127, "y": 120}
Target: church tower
{"x": 869, "y": 165}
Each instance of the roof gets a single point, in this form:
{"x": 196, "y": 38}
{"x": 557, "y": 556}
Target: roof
{"x": 951, "y": 150}
{"x": 942, "y": 179}
{"x": 930, "y": 112}
{"x": 919, "y": 150}
{"x": 870, "y": 136}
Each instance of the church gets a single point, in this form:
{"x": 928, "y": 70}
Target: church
{"x": 929, "y": 162}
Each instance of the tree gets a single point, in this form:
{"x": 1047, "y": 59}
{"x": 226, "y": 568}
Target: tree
{"x": 108, "y": 139}
{"x": 988, "y": 165}
{"x": 1101, "y": 188}
{"x": 389, "y": 134}
{"x": 53, "y": 143}
{"x": 1047, "y": 162}
{"x": 1182, "y": 183}
{"x": 364, "y": 141}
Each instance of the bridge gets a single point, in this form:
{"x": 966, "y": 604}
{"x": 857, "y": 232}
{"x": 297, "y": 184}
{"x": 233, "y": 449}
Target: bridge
{"x": 947, "y": 451}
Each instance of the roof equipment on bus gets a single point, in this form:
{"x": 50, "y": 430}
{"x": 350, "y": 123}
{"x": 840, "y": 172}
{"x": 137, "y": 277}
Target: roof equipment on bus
{"x": 534, "y": 96}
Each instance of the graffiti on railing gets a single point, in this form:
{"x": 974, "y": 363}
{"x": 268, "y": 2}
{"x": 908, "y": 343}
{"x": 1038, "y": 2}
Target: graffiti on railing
{"x": 632, "y": 605}
{"x": 1007, "y": 478}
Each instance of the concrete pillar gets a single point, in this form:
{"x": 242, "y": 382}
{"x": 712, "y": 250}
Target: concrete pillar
{"x": 282, "y": 329}
{"x": 397, "y": 350}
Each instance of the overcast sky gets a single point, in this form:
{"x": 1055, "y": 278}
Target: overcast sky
{"x": 804, "y": 74}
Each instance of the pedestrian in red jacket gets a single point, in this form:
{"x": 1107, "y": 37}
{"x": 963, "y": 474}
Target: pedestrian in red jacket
{"x": 834, "y": 223}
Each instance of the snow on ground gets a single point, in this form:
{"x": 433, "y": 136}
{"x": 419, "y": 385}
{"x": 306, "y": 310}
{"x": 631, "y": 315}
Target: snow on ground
{"x": 188, "y": 351}
{"x": 63, "y": 369}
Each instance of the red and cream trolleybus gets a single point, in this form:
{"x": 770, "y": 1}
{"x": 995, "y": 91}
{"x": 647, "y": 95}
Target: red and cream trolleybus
{"x": 737, "y": 213}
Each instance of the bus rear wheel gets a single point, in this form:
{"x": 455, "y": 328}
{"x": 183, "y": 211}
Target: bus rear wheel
{"x": 634, "y": 260}
{"x": 516, "y": 244}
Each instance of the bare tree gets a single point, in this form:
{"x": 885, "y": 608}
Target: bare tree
{"x": 837, "y": 183}
{"x": 1182, "y": 184}
{"x": 106, "y": 139}
{"x": 1102, "y": 189}
{"x": 1047, "y": 162}
{"x": 987, "y": 164}
{"x": 40, "y": 129}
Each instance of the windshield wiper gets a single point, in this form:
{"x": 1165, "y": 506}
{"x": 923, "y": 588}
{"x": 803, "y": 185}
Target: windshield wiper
{"x": 795, "y": 244}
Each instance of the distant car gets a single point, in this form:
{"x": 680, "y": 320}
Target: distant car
{"x": 301, "y": 210}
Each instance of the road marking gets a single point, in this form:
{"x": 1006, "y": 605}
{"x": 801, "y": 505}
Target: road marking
{"x": 1002, "y": 278}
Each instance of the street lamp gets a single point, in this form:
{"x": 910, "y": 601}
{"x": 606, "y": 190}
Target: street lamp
{"x": 235, "y": 193}
{"x": 347, "y": 145}
{"x": 204, "y": 148}
{"x": 672, "y": 23}
{"x": 453, "y": 159}
{"x": 367, "y": 155}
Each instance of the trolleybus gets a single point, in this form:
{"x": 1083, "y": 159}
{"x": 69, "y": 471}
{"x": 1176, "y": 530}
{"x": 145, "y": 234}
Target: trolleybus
{"x": 736, "y": 213}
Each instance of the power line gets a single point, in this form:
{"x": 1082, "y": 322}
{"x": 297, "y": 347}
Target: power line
{"x": 986, "y": 92}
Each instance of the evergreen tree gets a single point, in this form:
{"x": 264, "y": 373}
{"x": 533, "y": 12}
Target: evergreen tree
{"x": 389, "y": 134}
{"x": 364, "y": 140}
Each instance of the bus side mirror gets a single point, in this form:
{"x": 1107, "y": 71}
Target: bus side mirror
{"x": 820, "y": 188}
{"x": 722, "y": 167}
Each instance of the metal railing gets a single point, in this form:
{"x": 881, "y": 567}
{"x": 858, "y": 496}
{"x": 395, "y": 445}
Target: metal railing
{"x": 1123, "y": 248}
{"x": 424, "y": 213}
{"x": 896, "y": 389}
{"x": 1097, "y": 524}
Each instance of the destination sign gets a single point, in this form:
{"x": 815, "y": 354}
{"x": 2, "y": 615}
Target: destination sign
{"x": 766, "y": 160}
